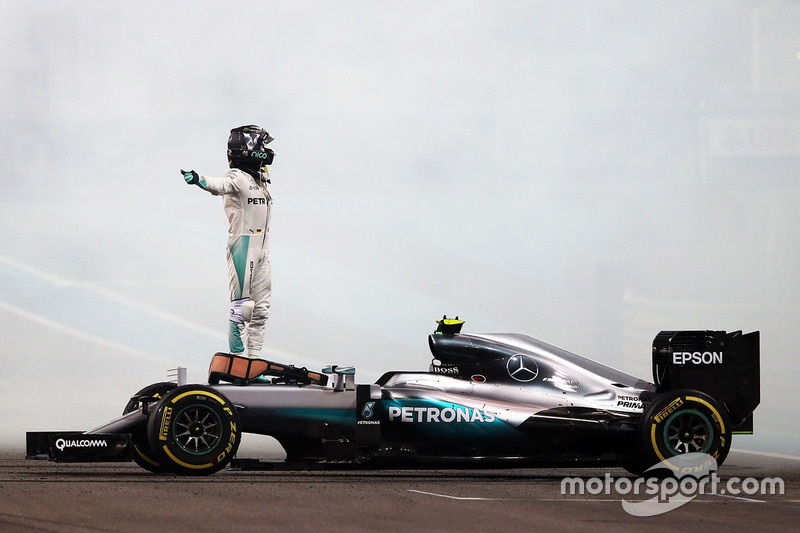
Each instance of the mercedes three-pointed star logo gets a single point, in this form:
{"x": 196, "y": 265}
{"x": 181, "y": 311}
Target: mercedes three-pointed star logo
{"x": 522, "y": 367}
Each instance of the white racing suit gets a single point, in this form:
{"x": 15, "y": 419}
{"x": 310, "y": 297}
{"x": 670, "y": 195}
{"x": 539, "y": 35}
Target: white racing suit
{"x": 248, "y": 205}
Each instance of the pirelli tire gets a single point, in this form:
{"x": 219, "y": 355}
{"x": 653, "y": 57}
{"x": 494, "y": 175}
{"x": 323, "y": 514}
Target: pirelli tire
{"x": 683, "y": 421}
{"x": 142, "y": 454}
{"x": 194, "y": 430}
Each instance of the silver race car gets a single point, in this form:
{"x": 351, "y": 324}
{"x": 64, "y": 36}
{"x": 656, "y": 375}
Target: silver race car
{"x": 487, "y": 400}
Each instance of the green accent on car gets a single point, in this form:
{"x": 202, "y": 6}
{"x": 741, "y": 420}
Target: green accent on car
{"x": 445, "y": 420}
{"x": 684, "y": 413}
{"x": 339, "y": 416}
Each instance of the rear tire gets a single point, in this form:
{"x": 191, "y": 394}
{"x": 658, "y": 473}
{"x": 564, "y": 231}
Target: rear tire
{"x": 680, "y": 422}
{"x": 194, "y": 430}
{"x": 142, "y": 454}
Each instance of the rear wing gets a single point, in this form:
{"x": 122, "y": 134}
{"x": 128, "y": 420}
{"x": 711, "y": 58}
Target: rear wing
{"x": 724, "y": 365}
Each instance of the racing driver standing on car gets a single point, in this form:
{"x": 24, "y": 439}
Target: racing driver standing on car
{"x": 248, "y": 205}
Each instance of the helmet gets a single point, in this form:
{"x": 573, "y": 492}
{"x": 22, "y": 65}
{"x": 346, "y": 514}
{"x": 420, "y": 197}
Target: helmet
{"x": 247, "y": 148}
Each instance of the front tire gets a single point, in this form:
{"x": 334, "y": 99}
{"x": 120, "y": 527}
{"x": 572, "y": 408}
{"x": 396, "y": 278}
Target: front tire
{"x": 194, "y": 430}
{"x": 680, "y": 422}
{"x": 142, "y": 454}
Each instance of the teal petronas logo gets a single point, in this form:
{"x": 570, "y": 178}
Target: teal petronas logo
{"x": 368, "y": 411}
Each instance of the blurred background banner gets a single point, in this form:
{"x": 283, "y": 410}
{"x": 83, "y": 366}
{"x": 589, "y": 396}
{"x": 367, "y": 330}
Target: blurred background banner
{"x": 588, "y": 173}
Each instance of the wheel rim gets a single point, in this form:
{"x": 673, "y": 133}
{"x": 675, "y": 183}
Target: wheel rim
{"x": 688, "y": 431}
{"x": 197, "y": 429}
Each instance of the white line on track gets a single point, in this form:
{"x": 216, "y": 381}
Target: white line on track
{"x": 769, "y": 454}
{"x": 753, "y": 500}
{"x": 567, "y": 499}
{"x": 466, "y": 498}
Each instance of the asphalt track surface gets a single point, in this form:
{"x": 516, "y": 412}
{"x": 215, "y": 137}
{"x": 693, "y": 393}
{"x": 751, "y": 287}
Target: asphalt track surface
{"x": 45, "y": 496}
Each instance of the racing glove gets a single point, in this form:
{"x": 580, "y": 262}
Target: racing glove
{"x": 190, "y": 176}
{"x": 193, "y": 178}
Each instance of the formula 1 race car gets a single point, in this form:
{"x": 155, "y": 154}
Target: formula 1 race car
{"x": 489, "y": 400}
